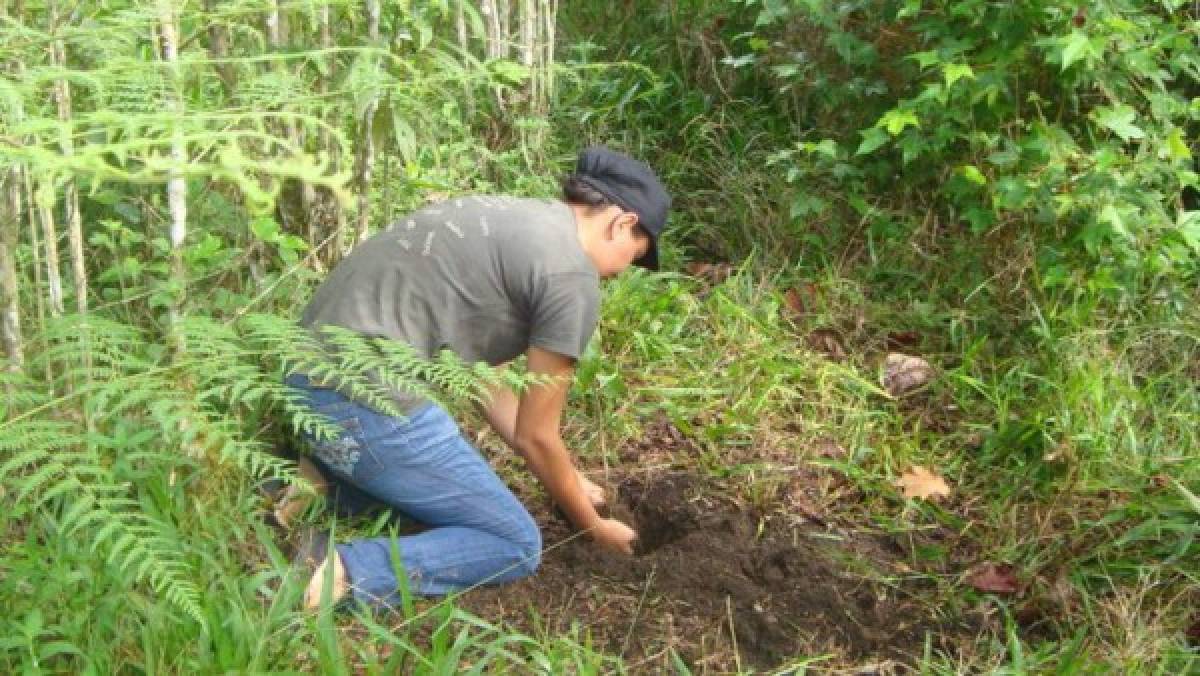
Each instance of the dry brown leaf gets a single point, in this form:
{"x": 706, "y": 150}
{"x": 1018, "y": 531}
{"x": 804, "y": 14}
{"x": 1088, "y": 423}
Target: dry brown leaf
{"x": 902, "y": 339}
{"x": 919, "y": 482}
{"x": 710, "y": 273}
{"x": 828, "y": 448}
{"x": 904, "y": 373}
{"x": 826, "y": 342}
{"x": 800, "y": 300}
{"x": 994, "y": 578}
{"x": 793, "y": 302}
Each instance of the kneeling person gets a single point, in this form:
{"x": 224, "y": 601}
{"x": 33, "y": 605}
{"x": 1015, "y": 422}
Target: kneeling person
{"x": 489, "y": 278}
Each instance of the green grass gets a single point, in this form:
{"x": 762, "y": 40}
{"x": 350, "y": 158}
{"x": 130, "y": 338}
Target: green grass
{"x": 1061, "y": 442}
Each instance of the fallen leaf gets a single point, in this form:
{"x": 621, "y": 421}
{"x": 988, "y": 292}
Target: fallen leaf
{"x": 994, "y": 578}
{"x": 710, "y": 273}
{"x": 826, "y": 342}
{"x": 904, "y": 373}
{"x": 919, "y": 482}
{"x": 793, "y": 302}
{"x": 799, "y": 299}
{"x": 828, "y": 448}
{"x": 902, "y": 339}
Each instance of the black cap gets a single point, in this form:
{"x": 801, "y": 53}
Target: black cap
{"x": 631, "y": 185}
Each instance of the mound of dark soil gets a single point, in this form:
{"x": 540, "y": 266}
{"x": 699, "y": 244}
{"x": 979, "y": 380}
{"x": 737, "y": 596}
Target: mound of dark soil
{"x": 716, "y": 585}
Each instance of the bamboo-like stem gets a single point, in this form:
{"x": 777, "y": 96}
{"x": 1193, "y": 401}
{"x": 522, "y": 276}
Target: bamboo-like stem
{"x": 550, "y": 23}
{"x": 62, "y": 96}
{"x": 464, "y": 44}
{"x": 527, "y": 19}
{"x": 35, "y": 248}
{"x": 495, "y": 38}
{"x": 44, "y": 197}
{"x": 327, "y": 144}
{"x": 10, "y": 316}
{"x": 374, "y": 13}
{"x": 504, "y": 18}
{"x": 289, "y": 129}
{"x": 176, "y": 185}
{"x": 366, "y": 141}
{"x": 366, "y": 165}
{"x": 272, "y": 23}
{"x": 527, "y": 34}
{"x": 218, "y": 49}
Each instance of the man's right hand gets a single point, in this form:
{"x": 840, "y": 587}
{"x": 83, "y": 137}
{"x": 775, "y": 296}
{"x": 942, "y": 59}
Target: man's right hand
{"x": 614, "y": 535}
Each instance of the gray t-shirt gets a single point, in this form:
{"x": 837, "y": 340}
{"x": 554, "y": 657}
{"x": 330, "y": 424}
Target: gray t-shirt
{"x": 485, "y": 277}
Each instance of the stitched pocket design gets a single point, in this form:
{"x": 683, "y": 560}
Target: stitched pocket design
{"x": 342, "y": 453}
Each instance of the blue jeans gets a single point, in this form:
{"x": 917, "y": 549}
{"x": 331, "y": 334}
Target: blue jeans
{"x": 423, "y": 467}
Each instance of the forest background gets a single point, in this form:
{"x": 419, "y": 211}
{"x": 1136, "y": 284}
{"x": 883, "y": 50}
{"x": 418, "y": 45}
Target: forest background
{"x": 1002, "y": 189}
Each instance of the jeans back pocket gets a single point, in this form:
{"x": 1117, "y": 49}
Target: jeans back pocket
{"x": 341, "y": 453}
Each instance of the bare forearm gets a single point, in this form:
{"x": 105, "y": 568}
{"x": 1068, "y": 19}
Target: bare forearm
{"x": 550, "y": 462}
{"x": 501, "y": 414}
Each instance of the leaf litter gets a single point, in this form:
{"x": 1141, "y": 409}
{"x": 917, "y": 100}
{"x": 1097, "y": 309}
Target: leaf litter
{"x": 919, "y": 482}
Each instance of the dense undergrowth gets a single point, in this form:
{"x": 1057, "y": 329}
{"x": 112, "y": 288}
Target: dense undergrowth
{"x": 995, "y": 188}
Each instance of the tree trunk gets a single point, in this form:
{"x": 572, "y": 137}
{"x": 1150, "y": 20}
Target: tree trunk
{"x": 549, "y": 23}
{"x": 44, "y": 195}
{"x": 495, "y": 36}
{"x": 296, "y": 220}
{"x": 10, "y": 316}
{"x": 218, "y": 49}
{"x": 176, "y": 185}
{"x": 366, "y": 140}
{"x": 333, "y": 249}
{"x": 35, "y": 248}
{"x": 373, "y": 15}
{"x": 62, "y": 96}
{"x": 366, "y": 165}
{"x": 464, "y": 44}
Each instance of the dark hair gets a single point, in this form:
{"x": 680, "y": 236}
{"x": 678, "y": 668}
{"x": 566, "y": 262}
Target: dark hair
{"x": 577, "y": 191}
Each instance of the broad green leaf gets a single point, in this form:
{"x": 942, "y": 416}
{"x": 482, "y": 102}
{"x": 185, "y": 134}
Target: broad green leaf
{"x": 953, "y": 72}
{"x": 896, "y": 120}
{"x": 1119, "y": 120}
{"x": 1177, "y": 148}
{"x": 910, "y": 8}
{"x": 1111, "y": 215}
{"x": 786, "y": 70}
{"x": 827, "y": 147}
{"x": 1077, "y": 46}
{"x": 1188, "y": 224}
{"x": 973, "y": 174}
{"x": 872, "y": 139}
{"x": 265, "y": 228}
{"x": 925, "y": 59}
{"x": 508, "y": 71}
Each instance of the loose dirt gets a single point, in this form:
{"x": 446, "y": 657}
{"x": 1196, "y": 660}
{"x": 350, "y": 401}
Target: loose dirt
{"x": 719, "y": 587}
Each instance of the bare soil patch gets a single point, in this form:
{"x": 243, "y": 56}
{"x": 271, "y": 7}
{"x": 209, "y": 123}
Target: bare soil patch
{"x": 722, "y": 587}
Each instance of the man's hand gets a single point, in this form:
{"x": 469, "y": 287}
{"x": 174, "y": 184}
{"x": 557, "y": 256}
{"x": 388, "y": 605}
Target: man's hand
{"x": 614, "y": 535}
{"x": 593, "y": 492}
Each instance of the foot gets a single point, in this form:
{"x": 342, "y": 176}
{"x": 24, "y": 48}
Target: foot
{"x": 316, "y": 585}
{"x": 295, "y": 500}
{"x": 292, "y": 499}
